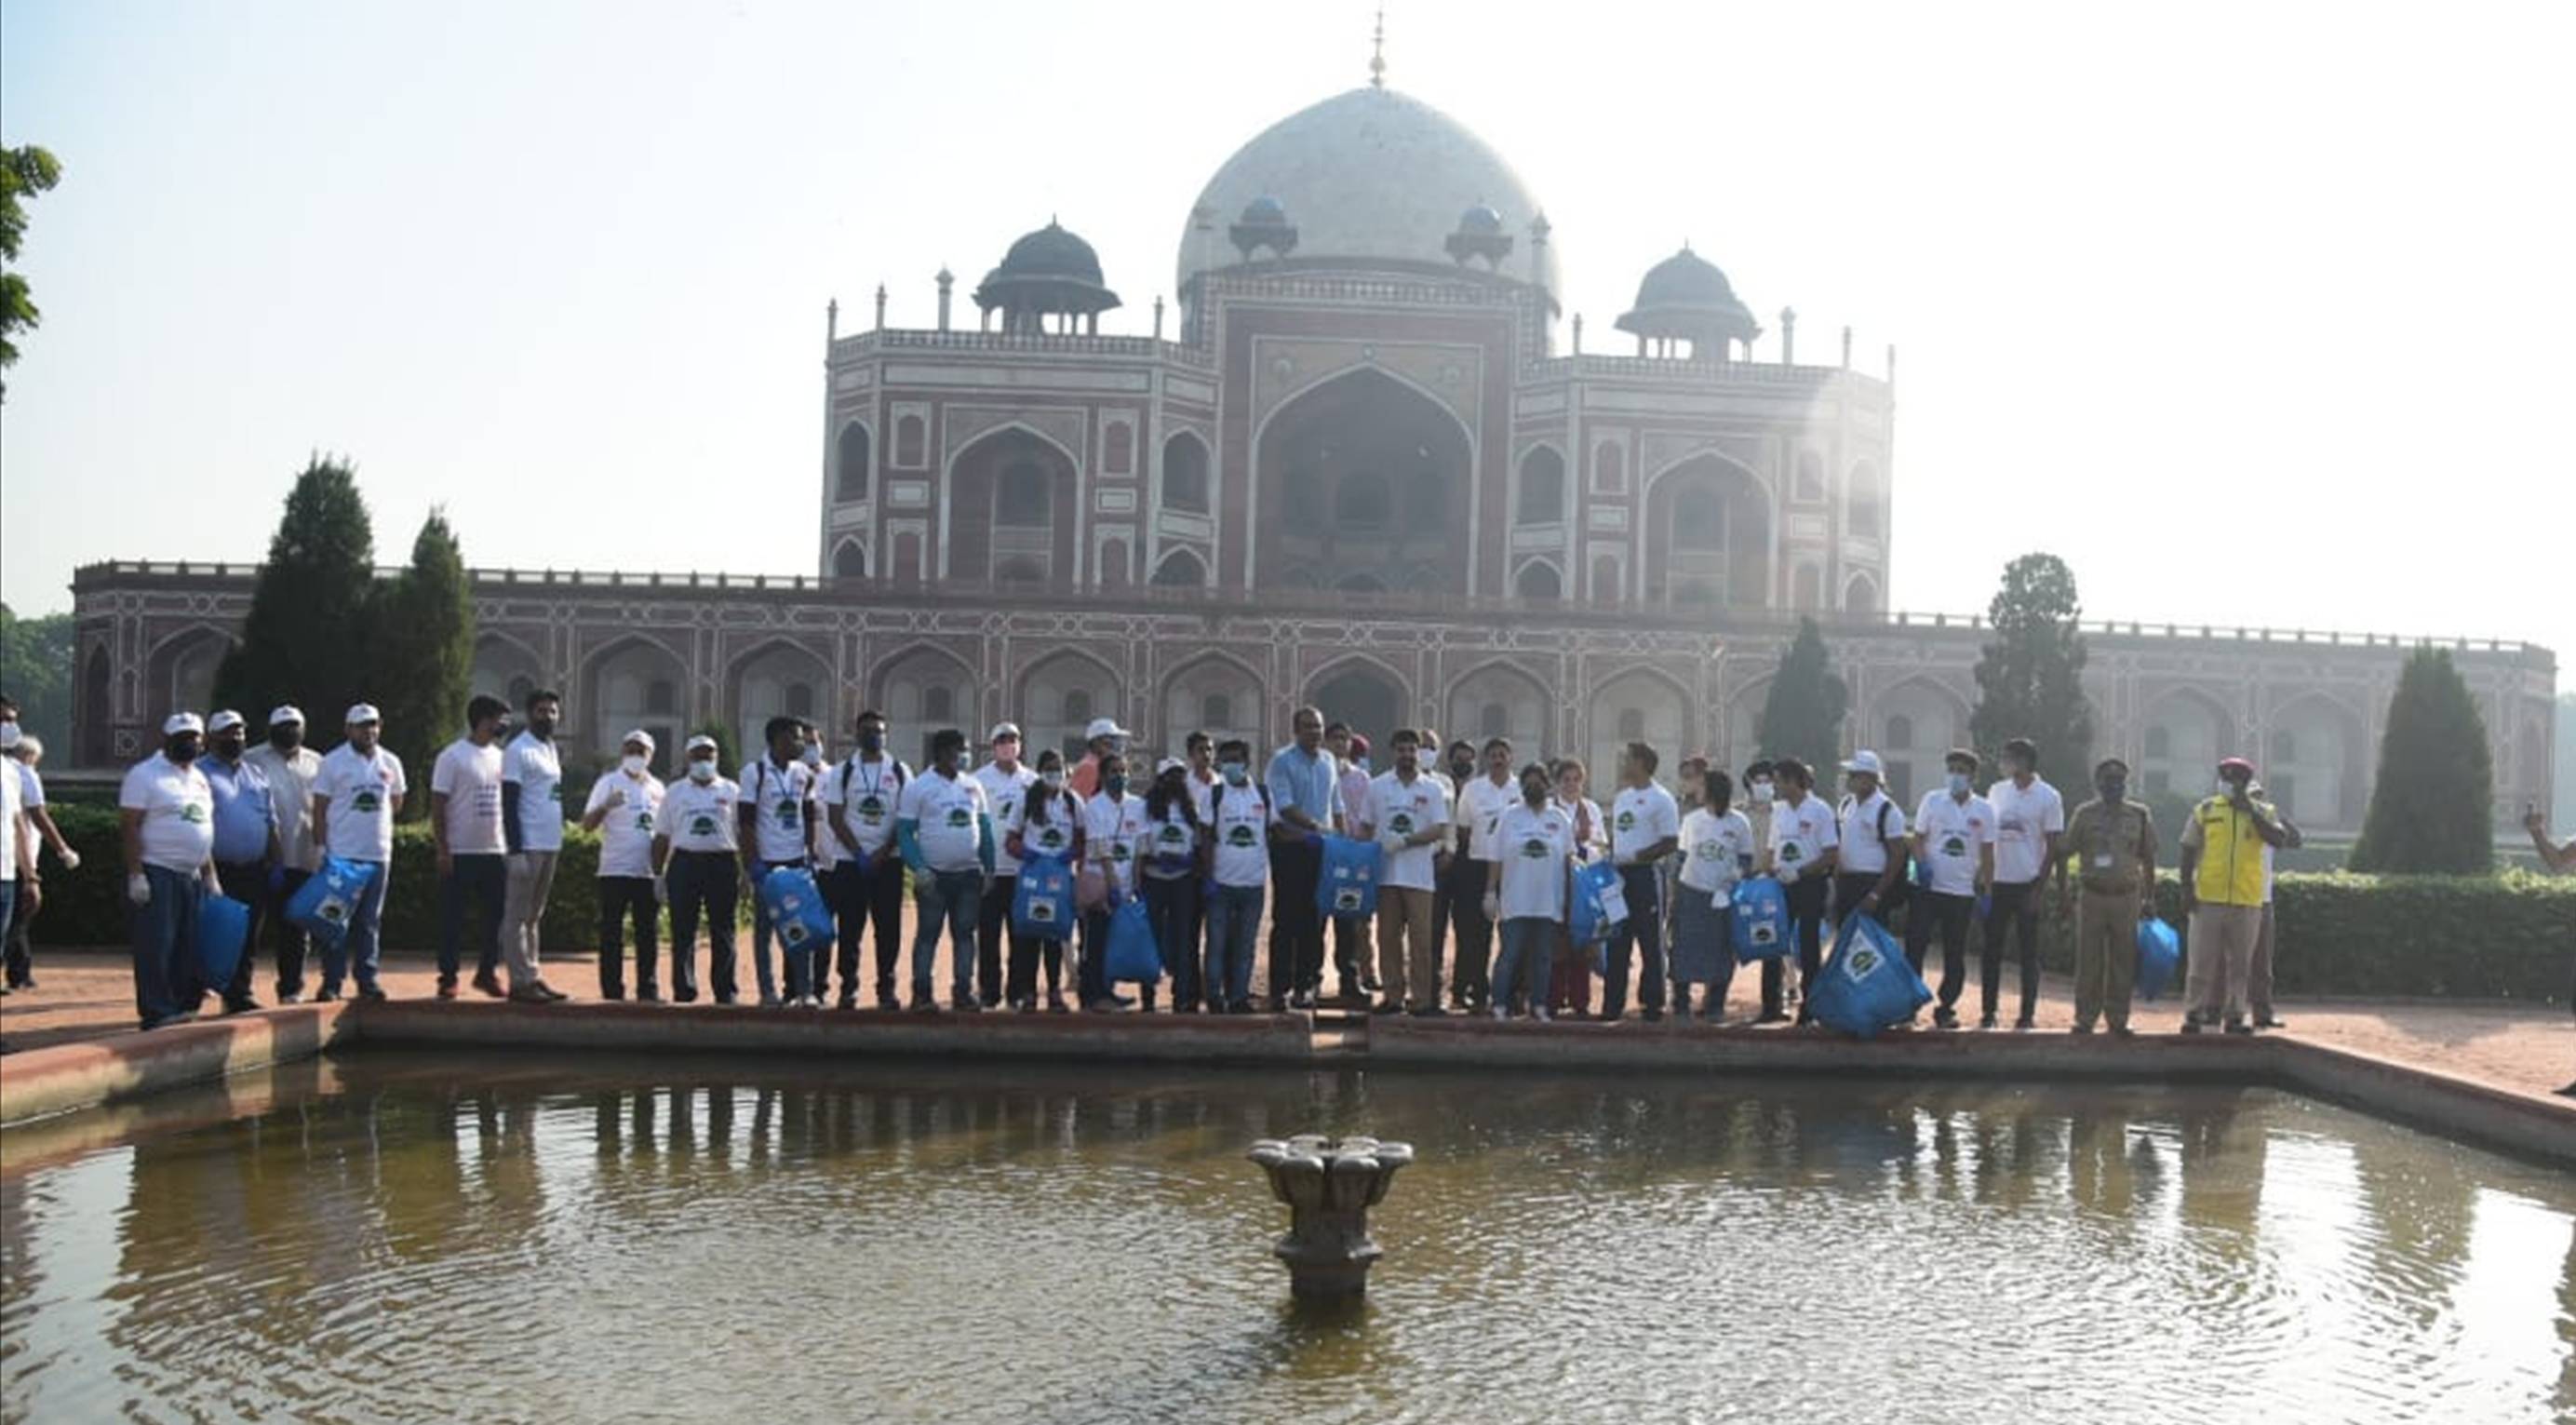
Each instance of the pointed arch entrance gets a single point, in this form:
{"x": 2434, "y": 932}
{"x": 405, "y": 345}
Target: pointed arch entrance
{"x": 1362, "y": 476}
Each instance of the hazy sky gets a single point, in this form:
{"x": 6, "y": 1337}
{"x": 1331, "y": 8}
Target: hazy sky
{"x": 2256, "y": 314}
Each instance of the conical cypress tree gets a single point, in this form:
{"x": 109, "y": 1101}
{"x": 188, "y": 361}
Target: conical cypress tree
{"x": 2030, "y": 679}
{"x": 303, "y": 641}
{"x": 422, "y": 648}
{"x": 2432, "y": 809}
{"x": 1803, "y": 715}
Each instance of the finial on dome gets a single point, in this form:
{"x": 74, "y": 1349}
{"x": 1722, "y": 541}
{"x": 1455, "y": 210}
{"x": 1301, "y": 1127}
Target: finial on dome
{"x": 1377, "y": 52}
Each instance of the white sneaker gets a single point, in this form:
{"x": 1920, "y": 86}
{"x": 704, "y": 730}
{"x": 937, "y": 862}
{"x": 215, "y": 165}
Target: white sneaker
{"x": 1541, "y": 1015}
{"x": 1501, "y": 1013}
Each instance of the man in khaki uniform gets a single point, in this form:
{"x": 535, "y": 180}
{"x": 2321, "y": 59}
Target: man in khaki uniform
{"x": 2112, "y": 842}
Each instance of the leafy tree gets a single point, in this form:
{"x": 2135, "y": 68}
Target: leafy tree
{"x": 1803, "y": 715}
{"x": 304, "y": 641}
{"x": 421, "y": 649}
{"x": 2030, "y": 679}
{"x": 2432, "y": 808}
{"x": 24, "y": 172}
{"x": 36, "y": 669}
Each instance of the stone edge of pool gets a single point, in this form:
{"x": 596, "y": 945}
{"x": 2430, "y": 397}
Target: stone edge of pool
{"x": 43, "y": 1083}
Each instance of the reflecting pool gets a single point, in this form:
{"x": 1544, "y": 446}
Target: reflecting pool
{"x": 407, "y": 1237}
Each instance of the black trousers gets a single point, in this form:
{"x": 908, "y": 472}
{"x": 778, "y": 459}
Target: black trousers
{"x": 1806, "y": 897}
{"x": 1296, "y": 926}
{"x": 623, "y": 899}
{"x": 1025, "y": 954}
{"x": 992, "y": 922}
{"x": 1950, "y": 915}
{"x": 246, "y": 882}
{"x": 869, "y": 899}
{"x": 20, "y": 955}
{"x": 1471, "y": 965}
{"x": 1644, "y": 927}
{"x": 2015, "y": 906}
{"x": 483, "y": 876}
{"x": 1444, "y": 883}
{"x": 293, "y": 942}
{"x": 702, "y": 883}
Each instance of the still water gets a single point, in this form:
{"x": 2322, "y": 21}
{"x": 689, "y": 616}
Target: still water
{"x": 408, "y": 1238}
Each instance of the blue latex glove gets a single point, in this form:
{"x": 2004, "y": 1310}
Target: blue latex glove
{"x": 984, "y": 847}
{"x": 276, "y": 880}
{"x": 907, "y": 839}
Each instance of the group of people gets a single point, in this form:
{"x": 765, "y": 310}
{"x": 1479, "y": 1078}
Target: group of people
{"x": 1473, "y": 895}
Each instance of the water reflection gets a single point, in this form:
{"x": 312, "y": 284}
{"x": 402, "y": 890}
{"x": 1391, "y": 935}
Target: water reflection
{"x": 409, "y": 1238}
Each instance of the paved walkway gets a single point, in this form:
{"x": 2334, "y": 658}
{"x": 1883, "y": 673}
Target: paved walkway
{"x": 84, "y": 994}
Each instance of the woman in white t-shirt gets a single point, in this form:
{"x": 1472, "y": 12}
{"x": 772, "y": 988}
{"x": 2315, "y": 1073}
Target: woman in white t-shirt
{"x": 1569, "y": 990}
{"x": 1113, "y": 825}
{"x": 1717, "y": 850}
{"x": 1047, "y": 823}
{"x": 1171, "y": 869}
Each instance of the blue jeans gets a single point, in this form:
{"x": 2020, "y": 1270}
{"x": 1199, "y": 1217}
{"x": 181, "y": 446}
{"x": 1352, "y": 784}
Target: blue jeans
{"x": 165, "y": 945}
{"x": 1529, "y": 942}
{"x": 484, "y": 876}
{"x": 762, "y": 969}
{"x": 359, "y": 940}
{"x": 1643, "y": 928}
{"x": 1234, "y": 926}
{"x": 1172, "y": 905}
{"x": 947, "y": 898}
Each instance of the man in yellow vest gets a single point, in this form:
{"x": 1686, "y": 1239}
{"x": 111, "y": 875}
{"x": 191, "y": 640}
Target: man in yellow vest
{"x": 2222, "y": 890}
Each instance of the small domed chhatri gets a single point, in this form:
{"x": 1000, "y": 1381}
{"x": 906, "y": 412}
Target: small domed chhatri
{"x": 1264, "y": 224}
{"x": 1480, "y": 234}
{"x": 1050, "y": 272}
{"x": 1686, "y": 298}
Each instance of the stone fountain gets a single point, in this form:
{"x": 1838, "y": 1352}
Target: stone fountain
{"x": 1329, "y": 1185}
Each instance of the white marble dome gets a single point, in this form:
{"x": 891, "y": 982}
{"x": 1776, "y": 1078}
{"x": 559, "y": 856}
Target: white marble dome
{"x": 1368, "y": 173}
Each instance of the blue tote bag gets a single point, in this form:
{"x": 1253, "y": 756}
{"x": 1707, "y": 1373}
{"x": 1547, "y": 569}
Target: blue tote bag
{"x": 1866, "y": 984}
{"x": 223, "y": 932}
{"x": 1347, "y": 884}
{"x": 1132, "y": 955}
{"x": 796, "y": 909}
{"x": 2159, "y": 955}
{"x": 1760, "y": 920}
{"x": 1600, "y": 903}
{"x": 1042, "y": 903}
{"x": 323, "y": 905}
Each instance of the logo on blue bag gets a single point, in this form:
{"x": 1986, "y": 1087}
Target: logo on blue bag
{"x": 1863, "y": 959}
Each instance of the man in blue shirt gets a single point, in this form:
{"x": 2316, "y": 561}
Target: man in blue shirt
{"x": 1300, "y": 780}
{"x": 245, "y": 838}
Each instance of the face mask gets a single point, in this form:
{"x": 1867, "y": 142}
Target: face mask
{"x": 1535, "y": 796}
{"x": 2114, "y": 791}
{"x": 286, "y": 739}
{"x": 702, "y": 772}
{"x": 229, "y": 748}
{"x": 542, "y": 727}
{"x": 2226, "y": 788}
{"x": 181, "y": 750}
{"x": 1235, "y": 773}
{"x": 1958, "y": 784}
{"x": 1054, "y": 780}
{"x": 633, "y": 763}
{"x": 871, "y": 741}
{"x": 1116, "y": 782}
{"x": 813, "y": 754}
{"x": 1762, "y": 791}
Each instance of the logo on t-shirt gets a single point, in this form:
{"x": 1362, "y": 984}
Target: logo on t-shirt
{"x": 1627, "y": 821}
{"x": 643, "y": 821}
{"x": 1710, "y": 850}
{"x": 702, "y": 825}
{"x": 1534, "y": 849}
{"x": 1119, "y": 851}
{"x": 1789, "y": 853}
{"x": 191, "y": 813}
{"x": 365, "y": 802}
{"x": 1401, "y": 824}
{"x": 871, "y": 809}
{"x": 959, "y": 817}
{"x": 1239, "y": 835}
{"x": 787, "y": 812}
{"x": 1954, "y": 845}
{"x": 1050, "y": 839}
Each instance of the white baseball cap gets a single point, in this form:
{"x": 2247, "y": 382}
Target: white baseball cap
{"x": 1865, "y": 761}
{"x": 180, "y": 722}
{"x": 1104, "y": 727}
{"x": 640, "y": 735}
{"x": 1170, "y": 764}
{"x": 220, "y": 721}
{"x": 703, "y": 743}
{"x": 284, "y": 714}
{"x": 361, "y": 713}
{"x": 1002, "y": 730}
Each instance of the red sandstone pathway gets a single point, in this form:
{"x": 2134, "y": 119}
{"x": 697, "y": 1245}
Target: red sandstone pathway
{"x": 85, "y": 994}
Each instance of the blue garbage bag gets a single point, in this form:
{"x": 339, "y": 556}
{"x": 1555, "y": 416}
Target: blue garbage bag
{"x": 1600, "y": 903}
{"x": 1042, "y": 904}
{"x": 1761, "y": 919}
{"x": 1132, "y": 954}
{"x": 1866, "y": 984}
{"x": 2159, "y": 955}
{"x": 328, "y": 898}
{"x": 223, "y": 932}
{"x": 796, "y": 908}
{"x": 1348, "y": 883}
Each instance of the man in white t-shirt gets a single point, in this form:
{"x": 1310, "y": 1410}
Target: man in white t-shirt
{"x": 2030, "y": 824}
{"x": 1533, "y": 846}
{"x": 622, "y": 806}
{"x": 1645, "y": 828}
{"x": 290, "y": 768}
{"x": 1354, "y": 956}
{"x": 1482, "y": 800}
{"x": 465, "y": 825}
{"x": 532, "y": 826}
{"x": 1954, "y": 845}
{"x": 356, "y": 796}
{"x": 1006, "y": 782}
{"x": 697, "y": 857}
{"x": 1407, "y": 813}
{"x": 945, "y": 828}
{"x": 777, "y": 812}
{"x": 41, "y": 833}
{"x": 1869, "y": 869}
{"x": 167, "y": 815}
{"x": 21, "y": 888}
{"x": 858, "y": 815}
{"x": 1806, "y": 844}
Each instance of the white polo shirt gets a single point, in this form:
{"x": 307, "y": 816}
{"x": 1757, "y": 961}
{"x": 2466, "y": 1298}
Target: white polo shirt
{"x": 178, "y": 813}
{"x": 1241, "y": 817}
{"x": 534, "y": 764}
{"x": 470, "y": 778}
{"x": 1952, "y": 829}
{"x": 1111, "y": 832}
{"x": 1481, "y": 805}
{"x": 783, "y": 795}
{"x": 626, "y": 832}
{"x": 1396, "y": 810}
{"x": 861, "y": 796}
{"x": 1711, "y": 845}
{"x": 1640, "y": 817}
{"x": 699, "y": 816}
{"x": 1003, "y": 793}
{"x": 1535, "y": 847}
{"x": 358, "y": 794}
{"x": 13, "y": 804}
{"x": 1864, "y": 829}
{"x": 290, "y": 799}
{"x": 1800, "y": 835}
{"x": 948, "y": 812}
{"x": 2023, "y": 822}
